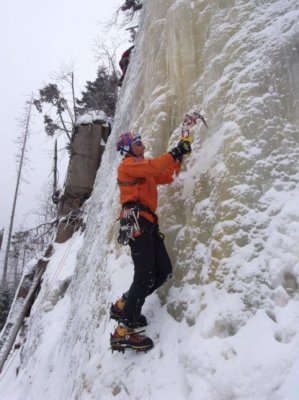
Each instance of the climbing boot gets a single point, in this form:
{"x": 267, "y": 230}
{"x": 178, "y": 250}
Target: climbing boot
{"x": 117, "y": 313}
{"x": 127, "y": 338}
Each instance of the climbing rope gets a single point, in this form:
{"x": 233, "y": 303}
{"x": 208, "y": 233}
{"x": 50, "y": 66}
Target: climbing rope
{"x": 56, "y": 274}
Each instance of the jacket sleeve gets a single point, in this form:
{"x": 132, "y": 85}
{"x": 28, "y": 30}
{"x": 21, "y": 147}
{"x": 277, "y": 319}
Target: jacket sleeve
{"x": 143, "y": 168}
{"x": 168, "y": 175}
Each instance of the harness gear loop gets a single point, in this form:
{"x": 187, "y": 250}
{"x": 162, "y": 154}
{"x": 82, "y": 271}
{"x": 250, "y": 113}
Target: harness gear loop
{"x": 129, "y": 224}
{"x": 140, "y": 207}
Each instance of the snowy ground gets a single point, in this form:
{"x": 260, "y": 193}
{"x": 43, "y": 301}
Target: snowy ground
{"x": 223, "y": 355}
{"x": 227, "y": 326}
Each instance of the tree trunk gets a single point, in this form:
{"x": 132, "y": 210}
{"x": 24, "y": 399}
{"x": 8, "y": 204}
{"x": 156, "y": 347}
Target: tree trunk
{"x": 55, "y": 169}
{"x": 74, "y": 99}
{"x": 4, "y": 274}
{"x": 24, "y": 311}
{"x": 1, "y": 237}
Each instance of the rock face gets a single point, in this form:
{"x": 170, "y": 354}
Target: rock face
{"x": 88, "y": 145}
{"x": 226, "y": 326}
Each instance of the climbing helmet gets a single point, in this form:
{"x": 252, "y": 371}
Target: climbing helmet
{"x": 125, "y": 140}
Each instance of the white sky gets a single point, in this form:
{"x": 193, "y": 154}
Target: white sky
{"x": 36, "y": 38}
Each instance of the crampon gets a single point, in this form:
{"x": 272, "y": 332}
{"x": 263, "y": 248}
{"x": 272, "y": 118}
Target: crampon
{"x": 126, "y": 338}
{"x": 117, "y": 314}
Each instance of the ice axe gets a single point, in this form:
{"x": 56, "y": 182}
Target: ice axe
{"x": 188, "y": 122}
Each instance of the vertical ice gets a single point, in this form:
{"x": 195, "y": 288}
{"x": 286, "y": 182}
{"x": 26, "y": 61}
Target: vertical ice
{"x": 231, "y": 218}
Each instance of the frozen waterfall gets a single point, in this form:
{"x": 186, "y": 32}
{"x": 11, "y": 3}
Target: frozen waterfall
{"x": 227, "y": 326}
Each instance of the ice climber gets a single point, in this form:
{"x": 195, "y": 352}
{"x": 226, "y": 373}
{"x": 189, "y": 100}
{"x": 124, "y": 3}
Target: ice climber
{"x": 124, "y": 62}
{"x": 138, "y": 179}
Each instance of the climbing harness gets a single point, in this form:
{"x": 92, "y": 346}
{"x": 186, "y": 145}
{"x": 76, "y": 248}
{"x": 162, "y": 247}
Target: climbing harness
{"x": 129, "y": 224}
{"x": 140, "y": 207}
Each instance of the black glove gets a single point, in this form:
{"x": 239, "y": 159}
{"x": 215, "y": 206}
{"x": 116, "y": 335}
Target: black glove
{"x": 183, "y": 147}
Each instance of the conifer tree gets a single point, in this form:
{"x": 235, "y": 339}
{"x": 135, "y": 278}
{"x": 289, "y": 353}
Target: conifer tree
{"x": 50, "y": 94}
{"x": 101, "y": 94}
{"x": 59, "y": 109}
{"x": 133, "y": 5}
{"x": 5, "y": 302}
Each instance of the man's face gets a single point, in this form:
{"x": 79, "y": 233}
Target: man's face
{"x": 138, "y": 148}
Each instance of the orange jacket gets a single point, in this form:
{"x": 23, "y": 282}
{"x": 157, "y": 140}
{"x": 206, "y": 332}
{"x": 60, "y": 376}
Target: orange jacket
{"x": 156, "y": 171}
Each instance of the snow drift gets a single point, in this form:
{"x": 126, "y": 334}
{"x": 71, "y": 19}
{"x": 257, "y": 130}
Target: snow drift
{"x": 226, "y": 326}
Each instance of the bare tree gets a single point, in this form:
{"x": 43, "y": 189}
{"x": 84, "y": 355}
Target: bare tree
{"x": 106, "y": 54}
{"x": 125, "y": 13}
{"x": 25, "y": 125}
{"x": 23, "y": 250}
{"x": 65, "y": 77}
{"x": 46, "y": 213}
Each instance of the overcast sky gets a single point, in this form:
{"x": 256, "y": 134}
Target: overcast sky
{"x": 36, "y": 38}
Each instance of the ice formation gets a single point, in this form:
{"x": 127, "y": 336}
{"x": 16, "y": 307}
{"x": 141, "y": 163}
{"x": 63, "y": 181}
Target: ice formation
{"x": 226, "y": 326}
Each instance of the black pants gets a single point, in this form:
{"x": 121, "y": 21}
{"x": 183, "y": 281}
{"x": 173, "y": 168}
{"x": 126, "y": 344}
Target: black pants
{"x": 152, "y": 267}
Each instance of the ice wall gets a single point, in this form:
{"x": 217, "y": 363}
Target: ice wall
{"x": 240, "y": 64}
{"x": 231, "y": 218}
{"x": 238, "y": 61}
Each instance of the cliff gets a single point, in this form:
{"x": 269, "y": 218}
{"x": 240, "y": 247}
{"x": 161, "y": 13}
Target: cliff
{"x": 226, "y": 325}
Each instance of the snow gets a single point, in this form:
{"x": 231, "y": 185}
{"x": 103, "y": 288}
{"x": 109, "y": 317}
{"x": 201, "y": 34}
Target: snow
{"x": 91, "y": 116}
{"x": 227, "y": 324}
